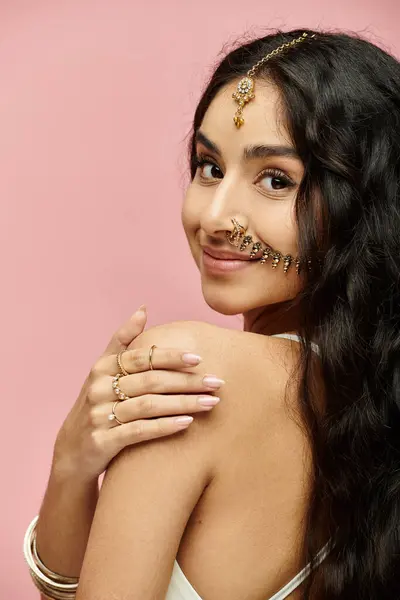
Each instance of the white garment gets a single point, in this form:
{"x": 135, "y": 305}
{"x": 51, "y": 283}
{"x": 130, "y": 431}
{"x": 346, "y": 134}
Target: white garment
{"x": 181, "y": 589}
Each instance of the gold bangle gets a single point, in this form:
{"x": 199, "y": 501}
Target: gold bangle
{"x": 49, "y": 586}
{"x": 46, "y": 570}
{"x": 50, "y": 593}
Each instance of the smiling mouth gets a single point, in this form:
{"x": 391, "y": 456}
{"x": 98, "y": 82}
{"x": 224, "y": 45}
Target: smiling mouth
{"x": 217, "y": 265}
{"x": 225, "y": 255}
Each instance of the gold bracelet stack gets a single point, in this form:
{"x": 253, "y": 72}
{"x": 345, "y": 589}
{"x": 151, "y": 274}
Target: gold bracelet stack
{"x": 50, "y": 584}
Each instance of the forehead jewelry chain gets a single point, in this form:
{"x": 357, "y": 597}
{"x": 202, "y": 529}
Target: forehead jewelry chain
{"x": 245, "y": 87}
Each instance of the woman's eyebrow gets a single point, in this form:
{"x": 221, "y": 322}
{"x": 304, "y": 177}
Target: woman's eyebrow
{"x": 251, "y": 152}
{"x": 265, "y": 151}
{"x": 203, "y": 139}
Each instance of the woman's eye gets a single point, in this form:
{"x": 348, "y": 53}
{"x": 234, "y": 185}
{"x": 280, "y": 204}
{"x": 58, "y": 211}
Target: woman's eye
{"x": 278, "y": 180}
{"x": 209, "y": 170}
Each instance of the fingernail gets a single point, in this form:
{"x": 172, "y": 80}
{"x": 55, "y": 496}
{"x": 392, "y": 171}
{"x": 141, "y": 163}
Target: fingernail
{"x": 141, "y": 311}
{"x": 191, "y": 359}
{"x": 183, "y": 421}
{"x": 212, "y": 382}
{"x": 208, "y": 400}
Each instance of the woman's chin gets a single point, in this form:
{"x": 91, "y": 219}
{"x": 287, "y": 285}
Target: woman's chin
{"x": 225, "y": 303}
{"x": 223, "y": 309}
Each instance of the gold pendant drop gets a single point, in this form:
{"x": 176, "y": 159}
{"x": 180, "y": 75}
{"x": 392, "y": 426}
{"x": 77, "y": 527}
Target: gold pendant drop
{"x": 265, "y": 255}
{"x": 256, "y": 248}
{"x": 287, "y": 261}
{"x": 276, "y": 257}
{"x": 243, "y": 95}
{"x": 246, "y": 242}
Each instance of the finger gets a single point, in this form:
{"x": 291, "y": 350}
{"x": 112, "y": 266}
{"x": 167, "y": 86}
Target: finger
{"x": 153, "y": 405}
{"x": 167, "y": 382}
{"x": 141, "y": 431}
{"x": 127, "y": 332}
{"x": 137, "y": 361}
{"x": 102, "y": 390}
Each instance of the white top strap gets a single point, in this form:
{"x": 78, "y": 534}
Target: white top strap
{"x": 300, "y": 577}
{"x": 181, "y": 589}
{"x": 296, "y": 338}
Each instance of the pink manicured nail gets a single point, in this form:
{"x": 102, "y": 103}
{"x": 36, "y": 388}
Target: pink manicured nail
{"x": 208, "y": 400}
{"x": 183, "y": 421}
{"x": 212, "y": 382}
{"x": 141, "y": 312}
{"x": 191, "y": 359}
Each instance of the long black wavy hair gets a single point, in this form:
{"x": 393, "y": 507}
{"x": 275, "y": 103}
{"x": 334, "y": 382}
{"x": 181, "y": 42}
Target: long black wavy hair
{"x": 341, "y": 100}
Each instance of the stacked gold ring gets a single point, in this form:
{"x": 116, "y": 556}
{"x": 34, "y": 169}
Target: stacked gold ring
{"x": 117, "y": 390}
{"x": 120, "y": 395}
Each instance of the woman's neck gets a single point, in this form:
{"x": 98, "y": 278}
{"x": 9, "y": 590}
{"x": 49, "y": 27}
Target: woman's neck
{"x": 273, "y": 319}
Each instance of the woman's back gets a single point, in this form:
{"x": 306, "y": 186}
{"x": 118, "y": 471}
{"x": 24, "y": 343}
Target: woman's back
{"x": 244, "y": 537}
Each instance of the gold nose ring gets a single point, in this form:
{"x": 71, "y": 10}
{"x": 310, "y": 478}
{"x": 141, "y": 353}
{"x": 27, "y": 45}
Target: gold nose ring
{"x": 235, "y": 236}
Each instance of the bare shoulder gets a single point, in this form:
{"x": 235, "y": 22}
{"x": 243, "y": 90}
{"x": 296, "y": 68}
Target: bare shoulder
{"x": 215, "y": 335}
{"x": 258, "y": 417}
{"x": 230, "y": 346}
{"x": 253, "y": 366}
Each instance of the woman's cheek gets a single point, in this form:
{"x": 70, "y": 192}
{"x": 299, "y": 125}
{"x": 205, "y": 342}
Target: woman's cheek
{"x": 190, "y": 214}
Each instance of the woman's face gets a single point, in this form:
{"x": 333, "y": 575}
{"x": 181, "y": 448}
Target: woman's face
{"x": 239, "y": 178}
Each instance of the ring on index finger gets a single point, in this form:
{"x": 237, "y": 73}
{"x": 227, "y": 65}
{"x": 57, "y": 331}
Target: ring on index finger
{"x": 151, "y": 357}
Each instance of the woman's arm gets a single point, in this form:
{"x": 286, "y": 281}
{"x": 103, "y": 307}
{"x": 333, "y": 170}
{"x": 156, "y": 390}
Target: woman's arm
{"x": 70, "y": 500}
{"x": 86, "y": 444}
{"x": 147, "y": 497}
{"x": 64, "y": 522}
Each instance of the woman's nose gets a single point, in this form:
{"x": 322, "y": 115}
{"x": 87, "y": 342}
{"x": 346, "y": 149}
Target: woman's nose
{"x": 223, "y": 211}
{"x": 219, "y": 226}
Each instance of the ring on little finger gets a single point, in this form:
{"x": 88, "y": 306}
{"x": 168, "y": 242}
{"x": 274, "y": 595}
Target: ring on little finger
{"x": 112, "y": 416}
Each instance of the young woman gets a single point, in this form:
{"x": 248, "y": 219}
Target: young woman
{"x": 292, "y": 217}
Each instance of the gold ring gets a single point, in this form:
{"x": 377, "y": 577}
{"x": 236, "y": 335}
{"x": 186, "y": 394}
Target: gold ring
{"x": 117, "y": 390}
{"x": 151, "y": 356}
{"x": 240, "y": 227}
{"x": 119, "y": 361}
{"x": 115, "y": 418}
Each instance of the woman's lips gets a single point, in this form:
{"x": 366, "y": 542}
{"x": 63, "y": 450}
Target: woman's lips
{"x": 225, "y": 265}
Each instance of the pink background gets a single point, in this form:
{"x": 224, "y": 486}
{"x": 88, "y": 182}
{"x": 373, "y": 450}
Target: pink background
{"x": 96, "y": 98}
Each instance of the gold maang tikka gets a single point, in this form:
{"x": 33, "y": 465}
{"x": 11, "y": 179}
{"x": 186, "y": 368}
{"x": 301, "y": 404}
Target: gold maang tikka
{"x": 237, "y": 237}
{"x": 245, "y": 87}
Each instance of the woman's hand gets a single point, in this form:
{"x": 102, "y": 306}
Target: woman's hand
{"x": 88, "y": 440}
